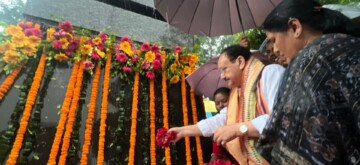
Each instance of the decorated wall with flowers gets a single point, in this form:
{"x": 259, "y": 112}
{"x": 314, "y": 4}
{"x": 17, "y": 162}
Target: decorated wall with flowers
{"x": 70, "y": 97}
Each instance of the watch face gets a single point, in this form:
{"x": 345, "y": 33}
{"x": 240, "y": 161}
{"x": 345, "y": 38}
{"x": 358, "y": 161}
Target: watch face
{"x": 243, "y": 128}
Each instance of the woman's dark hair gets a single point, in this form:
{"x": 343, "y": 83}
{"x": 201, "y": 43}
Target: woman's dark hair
{"x": 223, "y": 90}
{"x": 311, "y": 13}
{"x": 234, "y": 51}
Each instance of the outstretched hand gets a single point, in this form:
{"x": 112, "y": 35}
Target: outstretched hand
{"x": 179, "y": 132}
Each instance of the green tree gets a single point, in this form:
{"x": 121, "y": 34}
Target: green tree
{"x": 11, "y": 12}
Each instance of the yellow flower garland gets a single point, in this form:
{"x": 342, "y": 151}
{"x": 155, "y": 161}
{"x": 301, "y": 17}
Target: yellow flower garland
{"x": 134, "y": 119}
{"x": 5, "y": 86}
{"x": 103, "y": 113}
{"x": 64, "y": 112}
{"x": 152, "y": 123}
{"x": 90, "y": 117}
{"x": 165, "y": 107}
{"x": 71, "y": 115}
{"x": 195, "y": 119}
{"x": 30, "y": 101}
{"x": 186, "y": 119}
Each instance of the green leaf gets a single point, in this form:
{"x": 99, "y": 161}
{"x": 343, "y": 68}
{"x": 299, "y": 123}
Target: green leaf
{"x": 53, "y": 78}
{"x": 118, "y": 99}
{"x": 58, "y": 106}
{"x": 17, "y": 86}
{"x": 36, "y": 157}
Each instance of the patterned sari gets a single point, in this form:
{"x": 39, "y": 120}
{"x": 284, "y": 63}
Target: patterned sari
{"x": 316, "y": 119}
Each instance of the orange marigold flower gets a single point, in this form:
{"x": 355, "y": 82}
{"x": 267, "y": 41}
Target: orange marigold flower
{"x": 28, "y": 49}
{"x": 96, "y": 40}
{"x": 7, "y": 46}
{"x": 61, "y": 57}
{"x": 150, "y": 56}
{"x": 19, "y": 39}
{"x": 192, "y": 63}
{"x": 12, "y": 30}
{"x": 193, "y": 58}
{"x": 86, "y": 49}
{"x": 64, "y": 42}
{"x": 187, "y": 70}
{"x": 173, "y": 66}
{"x": 50, "y": 34}
{"x": 33, "y": 40}
{"x": 11, "y": 57}
{"x": 175, "y": 79}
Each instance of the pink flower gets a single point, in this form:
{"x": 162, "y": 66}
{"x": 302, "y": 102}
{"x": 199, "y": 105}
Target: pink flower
{"x": 89, "y": 41}
{"x": 150, "y": 75}
{"x": 121, "y": 57}
{"x": 177, "y": 50}
{"x": 68, "y": 52}
{"x": 88, "y": 65}
{"x": 145, "y": 46}
{"x": 73, "y": 45}
{"x": 94, "y": 55}
{"x": 57, "y": 45}
{"x": 127, "y": 39}
{"x": 60, "y": 33}
{"x": 145, "y": 65}
{"x": 33, "y": 31}
{"x": 155, "y": 48}
{"x": 100, "y": 46}
{"x": 126, "y": 69}
{"x": 164, "y": 138}
{"x": 24, "y": 25}
{"x": 66, "y": 26}
{"x": 103, "y": 36}
{"x": 156, "y": 64}
{"x": 133, "y": 59}
{"x": 158, "y": 56}
{"x": 117, "y": 48}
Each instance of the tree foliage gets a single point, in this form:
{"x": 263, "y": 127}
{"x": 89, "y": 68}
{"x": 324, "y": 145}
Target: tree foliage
{"x": 11, "y": 12}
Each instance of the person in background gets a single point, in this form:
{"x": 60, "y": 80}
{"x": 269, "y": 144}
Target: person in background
{"x": 316, "y": 119}
{"x": 267, "y": 48}
{"x": 207, "y": 126}
{"x": 253, "y": 90}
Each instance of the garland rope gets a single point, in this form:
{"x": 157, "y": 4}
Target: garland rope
{"x": 71, "y": 115}
{"x": 134, "y": 119}
{"x": 152, "y": 123}
{"x": 195, "y": 119}
{"x": 165, "y": 106}
{"x": 10, "y": 79}
{"x": 64, "y": 112}
{"x": 30, "y": 101}
{"x": 186, "y": 118}
{"x": 103, "y": 113}
{"x": 90, "y": 117}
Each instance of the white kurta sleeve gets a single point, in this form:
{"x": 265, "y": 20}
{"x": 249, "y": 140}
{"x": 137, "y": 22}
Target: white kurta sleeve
{"x": 209, "y": 125}
{"x": 271, "y": 78}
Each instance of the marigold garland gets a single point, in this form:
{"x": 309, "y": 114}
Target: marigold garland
{"x": 195, "y": 119}
{"x": 30, "y": 101}
{"x": 90, "y": 117}
{"x": 71, "y": 115}
{"x": 5, "y": 86}
{"x": 152, "y": 123}
{"x": 134, "y": 119}
{"x": 64, "y": 112}
{"x": 103, "y": 113}
{"x": 186, "y": 119}
{"x": 165, "y": 108}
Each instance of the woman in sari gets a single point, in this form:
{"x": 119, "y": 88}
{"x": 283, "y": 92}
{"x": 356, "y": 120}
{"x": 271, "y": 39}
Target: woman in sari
{"x": 316, "y": 118}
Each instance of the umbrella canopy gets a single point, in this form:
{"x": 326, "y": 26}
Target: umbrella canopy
{"x": 206, "y": 79}
{"x": 215, "y": 17}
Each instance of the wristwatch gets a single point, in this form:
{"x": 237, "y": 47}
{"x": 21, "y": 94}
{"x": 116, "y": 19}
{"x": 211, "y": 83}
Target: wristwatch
{"x": 243, "y": 128}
